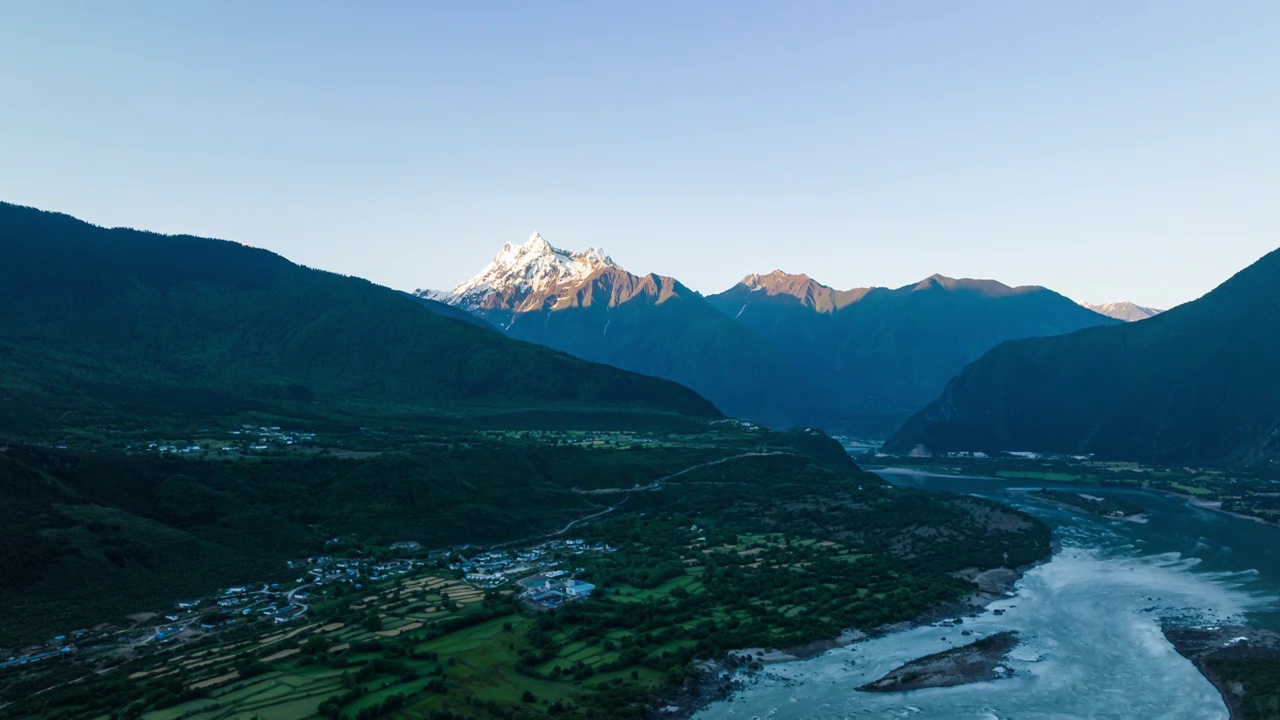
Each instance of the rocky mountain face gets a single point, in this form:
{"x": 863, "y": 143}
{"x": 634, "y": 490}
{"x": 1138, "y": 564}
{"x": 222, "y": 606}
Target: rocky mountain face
{"x": 586, "y": 305}
{"x": 777, "y": 348}
{"x": 523, "y": 277}
{"x": 1123, "y": 310}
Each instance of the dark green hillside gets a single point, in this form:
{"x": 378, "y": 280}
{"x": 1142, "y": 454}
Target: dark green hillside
{"x": 657, "y": 326}
{"x": 123, "y": 327}
{"x": 1195, "y": 384}
{"x": 450, "y": 311}
{"x": 86, "y": 537}
{"x": 881, "y": 353}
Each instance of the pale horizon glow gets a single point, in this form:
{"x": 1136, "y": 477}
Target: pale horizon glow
{"x": 1108, "y": 151}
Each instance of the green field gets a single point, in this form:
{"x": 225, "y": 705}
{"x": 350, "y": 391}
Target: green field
{"x": 765, "y": 551}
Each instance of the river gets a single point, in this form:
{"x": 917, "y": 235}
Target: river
{"x": 1089, "y": 620}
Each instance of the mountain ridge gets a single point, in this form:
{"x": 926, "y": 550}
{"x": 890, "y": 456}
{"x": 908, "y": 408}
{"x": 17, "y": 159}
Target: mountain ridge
{"x": 1193, "y": 384}
{"x": 777, "y": 348}
{"x": 894, "y": 349}
{"x": 1123, "y": 310}
{"x": 118, "y": 319}
{"x": 521, "y": 276}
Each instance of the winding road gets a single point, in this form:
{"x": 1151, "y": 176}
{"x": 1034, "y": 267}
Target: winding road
{"x": 655, "y": 485}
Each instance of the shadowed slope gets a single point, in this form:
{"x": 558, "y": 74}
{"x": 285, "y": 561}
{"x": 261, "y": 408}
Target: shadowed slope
{"x": 1196, "y": 383}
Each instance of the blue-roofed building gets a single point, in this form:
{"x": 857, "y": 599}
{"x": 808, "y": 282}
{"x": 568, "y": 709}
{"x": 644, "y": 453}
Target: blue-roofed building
{"x": 550, "y": 592}
{"x": 578, "y": 589}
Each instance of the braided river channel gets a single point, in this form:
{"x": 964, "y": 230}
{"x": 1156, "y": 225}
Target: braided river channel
{"x": 1089, "y": 621}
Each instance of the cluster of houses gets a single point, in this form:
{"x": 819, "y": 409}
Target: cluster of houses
{"x": 274, "y": 434}
{"x": 60, "y": 645}
{"x": 270, "y": 602}
{"x": 326, "y": 570}
{"x": 391, "y": 568}
{"x": 494, "y": 568}
{"x": 165, "y": 449}
{"x": 265, "y": 438}
{"x": 250, "y": 438}
{"x": 555, "y": 588}
{"x": 593, "y": 439}
{"x": 547, "y": 586}
{"x": 564, "y": 438}
{"x": 1016, "y": 454}
{"x": 36, "y": 657}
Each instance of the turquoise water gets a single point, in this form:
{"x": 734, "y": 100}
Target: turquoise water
{"x": 1089, "y": 619}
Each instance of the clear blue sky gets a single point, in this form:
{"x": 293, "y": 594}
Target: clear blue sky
{"x": 1105, "y": 149}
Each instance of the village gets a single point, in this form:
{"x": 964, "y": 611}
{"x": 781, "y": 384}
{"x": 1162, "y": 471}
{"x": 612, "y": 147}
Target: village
{"x": 537, "y": 575}
{"x": 543, "y": 583}
{"x": 245, "y": 440}
{"x": 598, "y": 439}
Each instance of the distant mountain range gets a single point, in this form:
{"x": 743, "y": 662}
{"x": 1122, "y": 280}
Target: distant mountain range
{"x": 1123, "y": 310}
{"x": 1198, "y": 383}
{"x": 584, "y": 304}
{"x": 779, "y": 349}
{"x": 120, "y": 327}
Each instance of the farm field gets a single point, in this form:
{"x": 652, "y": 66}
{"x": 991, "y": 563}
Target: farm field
{"x": 775, "y": 550}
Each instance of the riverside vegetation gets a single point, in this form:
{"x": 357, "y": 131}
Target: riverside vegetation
{"x": 769, "y": 551}
{"x": 1242, "y": 662}
{"x": 1246, "y": 490}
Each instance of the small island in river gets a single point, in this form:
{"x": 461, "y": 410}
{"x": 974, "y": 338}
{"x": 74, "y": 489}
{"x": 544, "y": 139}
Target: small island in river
{"x": 978, "y": 661}
{"x": 1106, "y": 507}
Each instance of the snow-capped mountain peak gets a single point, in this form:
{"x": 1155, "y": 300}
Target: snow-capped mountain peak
{"x": 528, "y": 271}
{"x": 758, "y": 281}
{"x": 1124, "y": 310}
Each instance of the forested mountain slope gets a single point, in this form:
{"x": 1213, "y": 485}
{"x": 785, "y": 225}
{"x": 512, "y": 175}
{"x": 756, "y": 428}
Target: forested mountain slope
{"x": 883, "y": 353}
{"x": 121, "y": 327}
{"x": 1197, "y": 383}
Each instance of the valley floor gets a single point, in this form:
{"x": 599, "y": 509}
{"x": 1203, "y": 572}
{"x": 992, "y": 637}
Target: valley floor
{"x": 760, "y": 550}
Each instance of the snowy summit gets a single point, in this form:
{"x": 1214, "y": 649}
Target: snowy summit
{"x": 1124, "y": 310}
{"x": 530, "y": 271}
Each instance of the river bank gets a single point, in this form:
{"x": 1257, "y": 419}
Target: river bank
{"x": 1215, "y": 506}
{"x": 1192, "y": 500}
{"x": 1092, "y": 617}
{"x": 1235, "y": 659}
{"x": 718, "y": 681}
